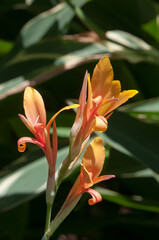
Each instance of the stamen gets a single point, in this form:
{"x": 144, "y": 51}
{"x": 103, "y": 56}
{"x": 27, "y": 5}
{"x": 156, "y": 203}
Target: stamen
{"x": 89, "y": 173}
{"x": 36, "y": 120}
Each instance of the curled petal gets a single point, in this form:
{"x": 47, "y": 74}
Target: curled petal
{"x": 96, "y": 197}
{"x": 34, "y": 106}
{"x": 22, "y": 146}
{"x": 101, "y": 124}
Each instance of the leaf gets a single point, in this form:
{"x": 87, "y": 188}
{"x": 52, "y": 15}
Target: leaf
{"x": 29, "y": 2}
{"x": 121, "y": 164}
{"x": 148, "y": 173}
{"x": 63, "y": 132}
{"x": 130, "y": 47}
{"x": 136, "y": 202}
{"x": 146, "y": 111}
{"x": 56, "y": 18}
{"x": 44, "y": 61}
{"x": 133, "y": 138}
{"x": 27, "y": 182}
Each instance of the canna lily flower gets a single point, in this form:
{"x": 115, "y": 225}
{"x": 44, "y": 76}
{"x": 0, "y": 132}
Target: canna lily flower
{"x": 91, "y": 168}
{"x": 104, "y": 95}
{"x": 35, "y": 121}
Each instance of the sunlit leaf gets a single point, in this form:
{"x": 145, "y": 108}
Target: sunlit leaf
{"x": 136, "y": 202}
{"x": 26, "y": 182}
{"x": 146, "y": 111}
{"x": 55, "y": 19}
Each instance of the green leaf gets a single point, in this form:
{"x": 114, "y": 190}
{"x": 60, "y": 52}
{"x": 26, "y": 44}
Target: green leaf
{"x": 133, "y": 138}
{"x": 44, "y": 61}
{"x": 136, "y": 202}
{"x": 146, "y": 111}
{"x": 63, "y": 132}
{"x": 148, "y": 173}
{"x": 54, "y": 20}
{"x": 134, "y": 49}
{"x": 27, "y": 182}
{"x": 120, "y": 164}
{"x": 29, "y": 2}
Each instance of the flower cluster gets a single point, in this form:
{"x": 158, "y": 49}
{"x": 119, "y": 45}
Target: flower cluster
{"x": 98, "y": 98}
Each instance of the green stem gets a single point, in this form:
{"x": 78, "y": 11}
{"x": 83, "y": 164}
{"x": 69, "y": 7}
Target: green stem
{"x": 64, "y": 168}
{"x": 63, "y": 213}
{"x": 50, "y": 196}
{"x": 48, "y": 216}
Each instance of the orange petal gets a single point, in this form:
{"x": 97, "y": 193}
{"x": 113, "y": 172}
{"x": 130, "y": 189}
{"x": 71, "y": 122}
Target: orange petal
{"x": 103, "y": 178}
{"x": 94, "y": 157}
{"x": 75, "y": 190}
{"x": 34, "y": 107}
{"x": 96, "y": 197}
{"x": 102, "y": 78}
{"x": 101, "y": 124}
{"x": 114, "y": 91}
{"x": 123, "y": 97}
{"x": 110, "y": 97}
{"x": 22, "y": 146}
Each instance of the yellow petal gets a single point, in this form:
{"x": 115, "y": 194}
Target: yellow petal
{"x": 123, "y": 97}
{"x": 101, "y": 124}
{"x": 34, "y": 107}
{"x": 94, "y": 157}
{"x": 63, "y": 109}
{"x": 102, "y": 78}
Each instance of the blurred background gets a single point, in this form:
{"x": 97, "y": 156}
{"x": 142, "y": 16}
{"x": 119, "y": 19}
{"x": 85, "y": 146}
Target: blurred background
{"x": 49, "y": 45}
